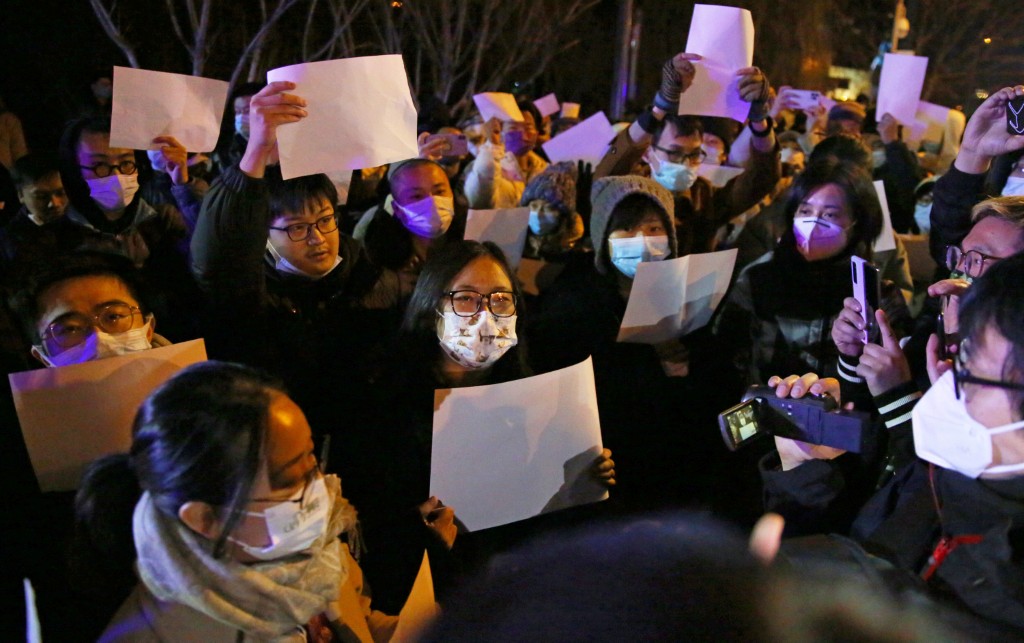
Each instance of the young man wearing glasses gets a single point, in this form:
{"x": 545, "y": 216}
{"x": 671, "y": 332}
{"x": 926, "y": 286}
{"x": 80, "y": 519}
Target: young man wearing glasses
{"x": 953, "y": 515}
{"x": 287, "y": 290}
{"x": 87, "y": 306}
{"x": 102, "y": 183}
{"x": 671, "y": 145}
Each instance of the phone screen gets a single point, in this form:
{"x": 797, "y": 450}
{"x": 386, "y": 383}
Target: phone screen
{"x": 739, "y": 424}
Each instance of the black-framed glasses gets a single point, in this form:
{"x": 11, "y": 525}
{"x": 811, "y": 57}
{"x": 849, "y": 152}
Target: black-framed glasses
{"x": 301, "y": 231}
{"x": 695, "y": 157}
{"x": 962, "y": 375}
{"x": 466, "y": 303}
{"x": 972, "y": 262}
{"x": 73, "y": 329}
{"x": 103, "y": 170}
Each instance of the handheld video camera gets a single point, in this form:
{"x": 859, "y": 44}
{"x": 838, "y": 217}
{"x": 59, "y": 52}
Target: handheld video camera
{"x": 813, "y": 419}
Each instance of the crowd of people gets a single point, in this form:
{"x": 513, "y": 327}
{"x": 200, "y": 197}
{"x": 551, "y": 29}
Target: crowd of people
{"x": 272, "y": 491}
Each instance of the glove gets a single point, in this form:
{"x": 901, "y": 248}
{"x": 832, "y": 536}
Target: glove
{"x": 676, "y": 77}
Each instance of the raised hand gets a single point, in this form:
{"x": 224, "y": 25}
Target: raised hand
{"x": 272, "y": 107}
{"x": 986, "y": 136}
{"x": 884, "y": 367}
{"x": 175, "y": 158}
{"x": 676, "y": 77}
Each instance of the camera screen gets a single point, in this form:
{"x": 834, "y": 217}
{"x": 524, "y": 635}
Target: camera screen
{"x": 742, "y": 423}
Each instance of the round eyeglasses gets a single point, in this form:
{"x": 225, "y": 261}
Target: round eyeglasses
{"x": 301, "y": 231}
{"x": 972, "y": 262}
{"x": 73, "y": 329}
{"x": 466, "y": 303}
{"x": 103, "y": 170}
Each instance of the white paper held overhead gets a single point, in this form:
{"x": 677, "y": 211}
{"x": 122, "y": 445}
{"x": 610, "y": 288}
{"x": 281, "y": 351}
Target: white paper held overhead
{"x": 498, "y": 105}
{"x": 724, "y": 37}
{"x": 361, "y": 115}
{"x": 507, "y": 228}
{"x": 147, "y": 104}
{"x": 899, "y": 88}
{"x": 585, "y": 142}
{"x": 547, "y": 105}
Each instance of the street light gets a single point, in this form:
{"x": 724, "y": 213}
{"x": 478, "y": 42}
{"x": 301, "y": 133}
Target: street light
{"x": 987, "y": 41}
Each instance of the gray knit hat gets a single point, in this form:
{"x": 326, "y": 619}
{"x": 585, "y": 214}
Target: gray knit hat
{"x": 556, "y": 185}
{"x": 608, "y": 192}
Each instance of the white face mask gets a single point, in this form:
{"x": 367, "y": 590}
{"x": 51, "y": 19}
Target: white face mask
{"x": 100, "y": 345}
{"x": 1014, "y": 186}
{"x": 946, "y": 435}
{"x": 478, "y": 341}
{"x": 817, "y": 238}
{"x": 877, "y": 158}
{"x": 626, "y": 253}
{"x": 542, "y": 222}
{"x": 286, "y": 267}
{"x": 113, "y": 192}
{"x": 293, "y": 526}
{"x": 242, "y": 125}
{"x": 429, "y": 217}
{"x": 923, "y": 216}
{"x": 675, "y": 177}
{"x": 713, "y": 156}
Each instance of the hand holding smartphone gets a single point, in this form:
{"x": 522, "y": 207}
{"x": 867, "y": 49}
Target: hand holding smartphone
{"x": 867, "y": 292}
{"x": 1015, "y": 116}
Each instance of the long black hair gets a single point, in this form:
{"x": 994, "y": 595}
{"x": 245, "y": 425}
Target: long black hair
{"x": 199, "y": 437}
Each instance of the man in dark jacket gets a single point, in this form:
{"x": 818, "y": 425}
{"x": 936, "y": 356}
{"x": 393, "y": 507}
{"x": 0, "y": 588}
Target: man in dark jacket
{"x": 954, "y": 516}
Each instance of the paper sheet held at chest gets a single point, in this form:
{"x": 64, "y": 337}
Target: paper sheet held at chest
{"x": 672, "y": 298}
{"x": 506, "y": 452}
{"x": 72, "y": 415}
{"x": 361, "y": 115}
{"x": 147, "y": 104}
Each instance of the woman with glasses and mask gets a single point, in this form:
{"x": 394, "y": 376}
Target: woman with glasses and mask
{"x": 461, "y": 328}
{"x": 234, "y": 532}
{"x": 102, "y": 184}
{"x": 953, "y": 516}
{"x": 287, "y": 291}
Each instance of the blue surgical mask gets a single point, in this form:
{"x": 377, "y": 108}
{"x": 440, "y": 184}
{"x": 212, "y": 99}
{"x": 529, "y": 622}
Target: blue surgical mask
{"x": 627, "y": 253}
{"x": 675, "y": 177}
{"x": 923, "y": 217}
{"x": 1014, "y": 186}
{"x": 242, "y": 125}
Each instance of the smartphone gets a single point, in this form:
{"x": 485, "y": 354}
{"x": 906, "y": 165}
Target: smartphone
{"x": 1015, "y": 116}
{"x": 739, "y": 424}
{"x": 457, "y": 145}
{"x": 804, "y": 98}
{"x": 867, "y": 292}
{"x": 949, "y": 342}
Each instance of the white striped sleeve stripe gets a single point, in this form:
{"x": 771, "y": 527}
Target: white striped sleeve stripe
{"x": 892, "y": 406}
{"x": 850, "y": 378}
{"x": 899, "y": 420}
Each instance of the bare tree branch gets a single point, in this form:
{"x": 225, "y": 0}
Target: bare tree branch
{"x": 105, "y": 17}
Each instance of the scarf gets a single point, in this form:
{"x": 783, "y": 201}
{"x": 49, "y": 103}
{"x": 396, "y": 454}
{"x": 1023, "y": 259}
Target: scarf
{"x": 268, "y": 600}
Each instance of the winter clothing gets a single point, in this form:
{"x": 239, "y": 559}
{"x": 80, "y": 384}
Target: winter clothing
{"x": 497, "y": 178}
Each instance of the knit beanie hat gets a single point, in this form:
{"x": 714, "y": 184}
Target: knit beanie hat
{"x": 556, "y": 185}
{"x": 848, "y": 110}
{"x": 608, "y": 192}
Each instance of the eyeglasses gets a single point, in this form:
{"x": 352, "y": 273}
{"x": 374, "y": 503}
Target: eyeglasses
{"x": 73, "y": 329}
{"x": 301, "y": 231}
{"x": 962, "y": 375}
{"x": 466, "y": 303}
{"x": 103, "y": 170}
{"x": 972, "y": 260}
{"x": 314, "y": 473}
{"x": 695, "y": 157}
